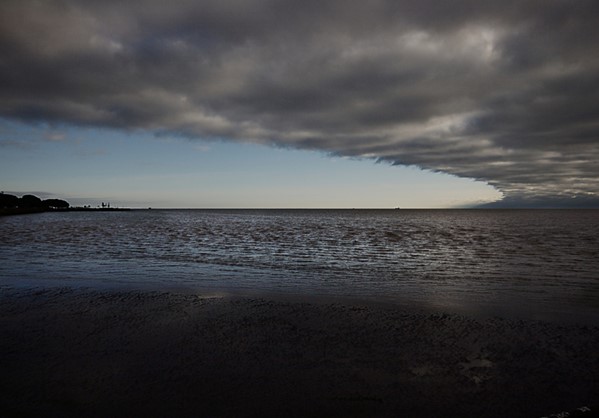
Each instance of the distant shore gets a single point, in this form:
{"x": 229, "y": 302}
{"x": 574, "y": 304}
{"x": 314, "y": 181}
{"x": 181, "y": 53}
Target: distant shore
{"x": 20, "y": 211}
{"x": 77, "y": 352}
{"x": 25, "y": 211}
{"x": 89, "y": 209}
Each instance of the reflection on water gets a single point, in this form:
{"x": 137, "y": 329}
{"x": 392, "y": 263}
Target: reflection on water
{"x": 540, "y": 260}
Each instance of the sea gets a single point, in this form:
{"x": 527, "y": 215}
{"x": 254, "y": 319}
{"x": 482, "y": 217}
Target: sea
{"x": 539, "y": 264}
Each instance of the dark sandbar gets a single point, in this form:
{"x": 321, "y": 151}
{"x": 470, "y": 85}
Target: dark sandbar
{"x": 68, "y": 352}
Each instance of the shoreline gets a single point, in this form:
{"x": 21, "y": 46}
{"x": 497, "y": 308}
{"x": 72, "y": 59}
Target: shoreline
{"x": 28, "y": 211}
{"x": 73, "y": 352}
{"x": 501, "y": 308}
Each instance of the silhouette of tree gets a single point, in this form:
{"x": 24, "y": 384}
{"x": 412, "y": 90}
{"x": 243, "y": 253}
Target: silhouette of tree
{"x": 8, "y": 201}
{"x": 55, "y": 204}
{"x": 30, "y": 201}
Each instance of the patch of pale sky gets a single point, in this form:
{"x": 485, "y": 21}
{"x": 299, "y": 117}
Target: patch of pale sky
{"x": 142, "y": 170}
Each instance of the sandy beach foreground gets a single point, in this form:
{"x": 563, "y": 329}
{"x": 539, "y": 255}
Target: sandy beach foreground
{"x": 72, "y": 352}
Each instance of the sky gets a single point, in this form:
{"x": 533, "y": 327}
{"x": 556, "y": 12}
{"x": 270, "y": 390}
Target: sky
{"x": 280, "y": 103}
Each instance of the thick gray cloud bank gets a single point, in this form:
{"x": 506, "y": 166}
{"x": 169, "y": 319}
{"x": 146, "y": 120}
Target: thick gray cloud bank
{"x": 501, "y": 91}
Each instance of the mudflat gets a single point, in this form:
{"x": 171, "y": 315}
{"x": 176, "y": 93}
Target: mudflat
{"x": 75, "y": 352}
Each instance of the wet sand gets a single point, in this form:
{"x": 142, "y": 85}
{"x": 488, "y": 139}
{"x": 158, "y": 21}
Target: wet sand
{"x": 72, "y": 352}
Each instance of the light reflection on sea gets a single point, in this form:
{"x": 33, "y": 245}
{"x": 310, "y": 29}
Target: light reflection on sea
{"x": 538, "y": 262}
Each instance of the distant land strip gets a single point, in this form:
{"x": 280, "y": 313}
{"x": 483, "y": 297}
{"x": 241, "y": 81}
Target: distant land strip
{"x": 13, "y": 205}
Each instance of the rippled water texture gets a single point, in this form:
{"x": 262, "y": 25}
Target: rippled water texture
{"x": 537, "y": 261}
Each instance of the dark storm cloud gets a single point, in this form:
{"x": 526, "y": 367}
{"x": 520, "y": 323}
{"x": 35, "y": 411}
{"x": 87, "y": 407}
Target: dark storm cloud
{"x": 505, "y": 92}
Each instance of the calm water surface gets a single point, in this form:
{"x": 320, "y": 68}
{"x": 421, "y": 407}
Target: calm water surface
{"x": 535, "y": 262}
